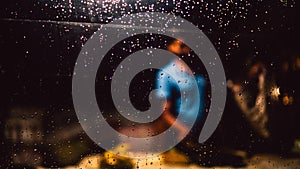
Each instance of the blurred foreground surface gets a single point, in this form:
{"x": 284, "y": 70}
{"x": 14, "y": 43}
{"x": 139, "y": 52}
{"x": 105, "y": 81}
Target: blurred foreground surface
{"x": 259, "y": 161}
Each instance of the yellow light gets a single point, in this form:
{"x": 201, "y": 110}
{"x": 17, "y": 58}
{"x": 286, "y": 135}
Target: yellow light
{"x": 275, "y": 92}
{"x": 285, "y": 100}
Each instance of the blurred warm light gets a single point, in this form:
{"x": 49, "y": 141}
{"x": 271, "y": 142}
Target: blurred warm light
{"x": 94, "y": 162}
{"x": 297, "y": 143}
{"x": 90, "y": 162}
{"x": 287, "y": 100}
{"x": 257, "y": 69}
{"x": 177, "y": 47}
{"x": 275, "y": 92}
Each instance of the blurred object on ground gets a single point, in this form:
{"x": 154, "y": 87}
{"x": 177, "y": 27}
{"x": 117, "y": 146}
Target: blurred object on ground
{"x": 256, "y": 162}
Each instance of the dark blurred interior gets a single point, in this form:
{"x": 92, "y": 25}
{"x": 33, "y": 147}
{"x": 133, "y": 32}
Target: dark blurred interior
{"x": 40, "y": 41}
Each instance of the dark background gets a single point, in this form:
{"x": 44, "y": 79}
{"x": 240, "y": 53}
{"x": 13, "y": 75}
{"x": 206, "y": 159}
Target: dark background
{"x": 40, "y": 42}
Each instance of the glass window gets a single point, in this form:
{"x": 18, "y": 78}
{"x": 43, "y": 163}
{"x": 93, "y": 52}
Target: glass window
{"x": 149, "y": 84}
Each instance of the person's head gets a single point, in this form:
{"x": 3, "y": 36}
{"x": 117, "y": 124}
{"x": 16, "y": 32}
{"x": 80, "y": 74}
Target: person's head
{"x": 256, "y": 69}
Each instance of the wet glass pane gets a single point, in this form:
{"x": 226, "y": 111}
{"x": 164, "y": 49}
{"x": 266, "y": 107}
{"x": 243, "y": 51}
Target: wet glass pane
{"x": 149, "y": 84}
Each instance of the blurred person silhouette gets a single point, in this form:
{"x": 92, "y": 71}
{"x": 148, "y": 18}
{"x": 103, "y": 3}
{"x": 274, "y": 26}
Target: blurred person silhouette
{"x": 256, "y": 115}
{"x": 266, "y": 109}
{"x": 170, "y": 89}
{"x": 208, "y": 153}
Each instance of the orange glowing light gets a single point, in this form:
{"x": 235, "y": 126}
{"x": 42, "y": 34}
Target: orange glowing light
{"x": 178, "y": 47}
